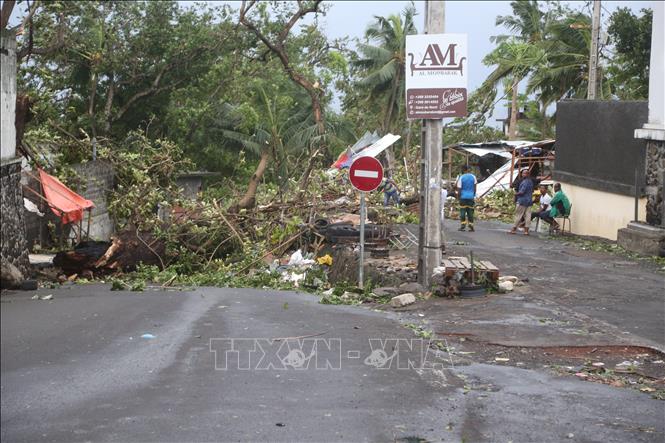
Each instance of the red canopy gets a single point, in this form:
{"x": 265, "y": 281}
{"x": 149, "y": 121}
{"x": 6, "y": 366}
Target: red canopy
{"x": 64, "y": 202}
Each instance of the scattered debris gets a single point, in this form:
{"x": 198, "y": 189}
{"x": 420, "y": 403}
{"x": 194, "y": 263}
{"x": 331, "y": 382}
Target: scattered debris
{"x": 42, "y": 297}
{"x": 506, "y": 286}
{"x": 325, "y": 260}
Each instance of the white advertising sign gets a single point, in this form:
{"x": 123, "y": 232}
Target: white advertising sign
{"x": 436, "y": 76}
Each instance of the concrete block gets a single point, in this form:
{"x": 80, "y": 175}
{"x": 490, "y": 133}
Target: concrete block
{"x": 642, "y": 238}
{"x": 402, "y": 300}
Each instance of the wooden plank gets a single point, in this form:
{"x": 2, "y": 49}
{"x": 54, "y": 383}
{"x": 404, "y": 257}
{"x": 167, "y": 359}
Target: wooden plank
{"x": 490, "y": 266}
{"x": 459, "y": 265}
{"x": 466, "y": 262}
{"x": 448, "y": 264}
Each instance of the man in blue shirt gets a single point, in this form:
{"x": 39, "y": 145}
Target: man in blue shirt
{"x": 466, "y": 188}
{"x": 523, "y": 200}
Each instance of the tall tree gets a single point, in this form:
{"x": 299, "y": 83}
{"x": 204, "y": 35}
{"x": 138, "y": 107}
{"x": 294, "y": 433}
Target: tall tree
{"x": 513, "y": 60}
{"x": 382, "y": 60}
{"x": 380, "y": 64}
{"x": 528, "y": 23}
{"x": 276, "y": 42}
{"x": 629, "y": 68}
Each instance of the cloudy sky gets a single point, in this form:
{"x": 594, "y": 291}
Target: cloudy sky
{"x": 475, "y": 18}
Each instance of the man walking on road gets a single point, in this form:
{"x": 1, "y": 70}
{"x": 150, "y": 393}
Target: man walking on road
{"x": 523, "y": 200}
{"x": 466, "y": 188}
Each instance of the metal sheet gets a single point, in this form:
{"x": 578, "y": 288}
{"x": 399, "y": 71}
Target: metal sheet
{"x": 481, "y": 152}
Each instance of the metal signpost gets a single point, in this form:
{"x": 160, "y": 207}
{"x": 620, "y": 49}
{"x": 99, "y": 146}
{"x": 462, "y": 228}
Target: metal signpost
{"x": 365, "y": 174}
{"x": 436, "y": 88}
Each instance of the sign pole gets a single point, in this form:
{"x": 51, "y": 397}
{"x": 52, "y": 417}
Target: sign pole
{"x": 365, "y": 174}
{"x": 361, "y": 276}
{"x": 430, "y": 230}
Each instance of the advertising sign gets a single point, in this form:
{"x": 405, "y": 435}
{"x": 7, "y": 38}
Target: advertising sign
{"x": 436, "y": 76}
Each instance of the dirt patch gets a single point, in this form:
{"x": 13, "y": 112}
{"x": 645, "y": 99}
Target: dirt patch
{"x": 637, "y": 367}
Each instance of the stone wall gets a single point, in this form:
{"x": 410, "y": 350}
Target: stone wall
{"x": 655, "y": 181}
{"x": 13, "y": 243}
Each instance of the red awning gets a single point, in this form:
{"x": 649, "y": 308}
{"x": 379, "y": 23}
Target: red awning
{"x": 64, "y": 202}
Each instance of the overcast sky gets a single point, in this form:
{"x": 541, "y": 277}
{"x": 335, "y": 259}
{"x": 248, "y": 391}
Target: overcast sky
{"x": 475, "y": 18}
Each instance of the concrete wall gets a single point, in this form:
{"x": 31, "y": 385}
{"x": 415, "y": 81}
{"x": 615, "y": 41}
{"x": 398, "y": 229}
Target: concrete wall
{"x": 190, "y": 186}
{"x": 7, "y": 95}
{"x": 97, "y": 179}
{"x": 595, "y": 144}
{"x": 657, "y": 69}
{"x": 600, "y": 213}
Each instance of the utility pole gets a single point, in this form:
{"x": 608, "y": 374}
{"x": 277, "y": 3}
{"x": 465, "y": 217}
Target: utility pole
{"x": 429, "y": 244}
{"x": 593, "y": 56}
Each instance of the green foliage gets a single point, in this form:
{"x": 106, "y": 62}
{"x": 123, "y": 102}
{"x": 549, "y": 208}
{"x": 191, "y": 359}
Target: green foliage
{"x": 345, "y": 293}
{"x": 280, "y": 234}
{"x": 537, "y": 125}
{"x": 145, "y": 171}
{"x": 629, "y": 69}
{"x": 606, "y": 246}
{"x": 549, "y": 46}
{"x": 380, "y": 68}
{"x": 501, "y": 201}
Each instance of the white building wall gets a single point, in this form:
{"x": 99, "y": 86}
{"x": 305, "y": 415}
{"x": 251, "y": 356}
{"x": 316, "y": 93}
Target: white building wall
{"x": 600, "y": 213}
{"x": 654, "y": 129}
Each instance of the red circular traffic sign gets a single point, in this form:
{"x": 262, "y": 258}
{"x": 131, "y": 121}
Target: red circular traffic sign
{"x": 366, "y": 174}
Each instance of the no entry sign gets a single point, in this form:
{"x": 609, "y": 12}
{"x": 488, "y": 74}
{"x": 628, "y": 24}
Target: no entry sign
{"x": 366, "y": 174}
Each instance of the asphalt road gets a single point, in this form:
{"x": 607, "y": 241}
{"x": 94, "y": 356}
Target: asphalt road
{"x": 76, "y": 368}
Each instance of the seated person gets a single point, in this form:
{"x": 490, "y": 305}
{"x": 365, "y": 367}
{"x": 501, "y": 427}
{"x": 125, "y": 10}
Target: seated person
{"x": 560, "y": 205}
{"x": 545, "y": 206}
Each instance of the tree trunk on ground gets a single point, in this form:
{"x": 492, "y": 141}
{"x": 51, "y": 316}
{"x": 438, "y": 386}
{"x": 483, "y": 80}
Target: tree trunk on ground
{"x": 248, "y": 200}
{"x": 512, "y": 129}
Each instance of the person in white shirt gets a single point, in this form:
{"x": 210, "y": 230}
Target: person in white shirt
{"x": 544, "y": 211}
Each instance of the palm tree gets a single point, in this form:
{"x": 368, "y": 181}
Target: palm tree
{"x": 565, "y": 71}
{"x": 528, "y": 22}
{"x": 266, "y": 140}
{"x": 381, "y": 62}
{"x": 513, "y": 59}
{"x": 284, "y": 130}
{"x": 529, "y": 25}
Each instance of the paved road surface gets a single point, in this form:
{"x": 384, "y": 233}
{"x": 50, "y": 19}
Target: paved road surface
{"x": 76, "y": 369}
